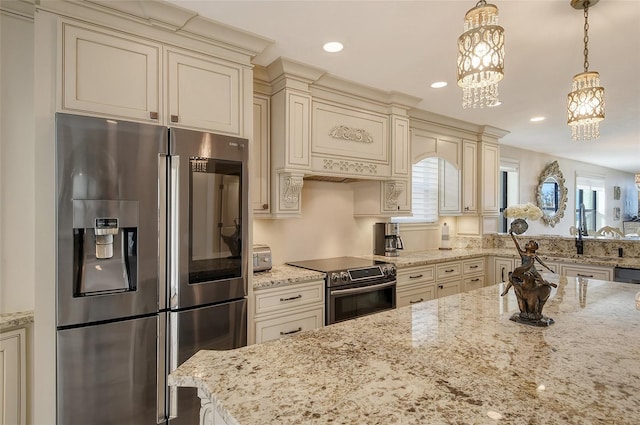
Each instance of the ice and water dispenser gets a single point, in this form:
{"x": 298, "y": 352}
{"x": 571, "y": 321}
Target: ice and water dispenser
{"x": 105, "y": 239}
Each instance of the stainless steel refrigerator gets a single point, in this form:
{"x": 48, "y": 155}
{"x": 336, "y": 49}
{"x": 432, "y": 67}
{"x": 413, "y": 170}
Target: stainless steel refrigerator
{"x": 151, "y": 264}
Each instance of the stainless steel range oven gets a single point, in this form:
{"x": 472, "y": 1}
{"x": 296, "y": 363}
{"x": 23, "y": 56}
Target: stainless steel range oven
{"x": 354, "y": 287}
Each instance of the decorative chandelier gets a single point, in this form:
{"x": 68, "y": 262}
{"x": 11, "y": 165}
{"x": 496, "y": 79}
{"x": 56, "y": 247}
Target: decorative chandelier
{"x": 481, "y": 56}
{"x": 585, "y": 103}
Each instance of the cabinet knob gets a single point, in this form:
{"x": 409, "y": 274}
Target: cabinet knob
{"x": 153, "y": 115}
{"x": 265, "y": 206}
{"x": 174, "y": 118}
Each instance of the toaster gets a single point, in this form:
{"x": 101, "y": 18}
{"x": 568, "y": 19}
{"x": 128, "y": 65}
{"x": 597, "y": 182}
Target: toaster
{"x": 261, "y": 258}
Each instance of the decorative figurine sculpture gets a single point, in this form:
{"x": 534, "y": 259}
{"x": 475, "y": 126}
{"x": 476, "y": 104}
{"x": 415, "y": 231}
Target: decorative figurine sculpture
{"x": 532, "y": 291}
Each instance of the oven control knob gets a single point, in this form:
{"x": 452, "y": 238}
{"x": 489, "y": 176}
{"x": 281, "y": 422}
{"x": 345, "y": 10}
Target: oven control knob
{"x": 335, "y": 277}
{"x": 389, "y": 271}
{"x": 344, "y": 276}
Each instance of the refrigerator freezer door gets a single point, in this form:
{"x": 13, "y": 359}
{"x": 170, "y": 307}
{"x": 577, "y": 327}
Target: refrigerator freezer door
{"x": 217, "y": 327}
{"x": 107, "y": 373}
{"x": 108, "y": 218}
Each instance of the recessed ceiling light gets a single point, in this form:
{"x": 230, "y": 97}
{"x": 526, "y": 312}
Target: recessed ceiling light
{"x": 439, "y": 85}
{"x": 536, "y": 119}
{"x": 332, "y": 47}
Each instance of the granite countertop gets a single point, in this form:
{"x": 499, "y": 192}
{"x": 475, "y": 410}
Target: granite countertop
{"x": 283, "y": 275}
{"x": 455, "y": 360}
{"x": 15, "y": 320}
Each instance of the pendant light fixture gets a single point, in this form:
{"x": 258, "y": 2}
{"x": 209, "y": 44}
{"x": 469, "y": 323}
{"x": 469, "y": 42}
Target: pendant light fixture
{"x": 585, "y": 103}
{"x": 480, "y": 56}
{"x": 638, "y": 181}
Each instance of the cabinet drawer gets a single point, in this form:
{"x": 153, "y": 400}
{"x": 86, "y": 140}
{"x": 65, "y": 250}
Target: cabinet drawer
{"x": 473, "y": 266}
{"x": 471, "y": 283}
{"x": 292, "y": 324}
{"x": 447, "y": 270}
{"x": 415, "y": 294}
{"x": 278, "y": 299}
{"x": 416, "y": 275}
{"x": 448, "y": 288}
{"x": 592, "y": 272}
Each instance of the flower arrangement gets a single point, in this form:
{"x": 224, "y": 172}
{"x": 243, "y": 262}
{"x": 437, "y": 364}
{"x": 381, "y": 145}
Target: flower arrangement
{"x": 524, "y": 211}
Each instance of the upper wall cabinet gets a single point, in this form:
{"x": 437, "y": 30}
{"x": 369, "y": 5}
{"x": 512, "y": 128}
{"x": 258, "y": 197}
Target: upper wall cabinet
{"x": 110, "y": 74}
{"x": 260, "y": 156}
{"x": 114, "y": 74}
{"x": 203, "y": 92}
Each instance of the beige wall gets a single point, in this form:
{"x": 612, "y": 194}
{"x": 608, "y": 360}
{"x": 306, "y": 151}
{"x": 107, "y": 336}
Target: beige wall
{"x": 17, "y": 166}
{"x": 326, "y": 228}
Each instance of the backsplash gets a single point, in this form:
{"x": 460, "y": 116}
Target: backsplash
{"x": 549, "y": 245}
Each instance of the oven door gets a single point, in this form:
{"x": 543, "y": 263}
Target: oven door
{"x": 355, "y": 300}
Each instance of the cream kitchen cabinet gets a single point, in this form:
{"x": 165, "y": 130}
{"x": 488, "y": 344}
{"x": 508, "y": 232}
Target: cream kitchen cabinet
{"x": 579, "y": 270}
{"x": 469, "y": 177}
{"x": 473, "y": 274}
{"x": 114, "y": 74}
{"x": 414, "y": 285}
{"x": 288, "y": 310}
{"x": 489, "y": 189}
{"x": 382, "y": 199}
{"x": 260, "y": 157}
{"x": 13, "y": 379}
{"x": 448, "y": 278}
{"x": 110, "y": 73}
{"x": 202, "y": 92}
{"x": 502, "y": 266}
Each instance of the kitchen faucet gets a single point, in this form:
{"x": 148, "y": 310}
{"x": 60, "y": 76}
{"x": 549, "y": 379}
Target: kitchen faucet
{"x": 582, "y": 229}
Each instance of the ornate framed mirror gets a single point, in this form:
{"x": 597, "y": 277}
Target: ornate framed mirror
{"x": 552, "y": 194}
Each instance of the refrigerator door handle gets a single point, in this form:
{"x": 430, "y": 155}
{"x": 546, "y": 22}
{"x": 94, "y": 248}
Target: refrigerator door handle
{"x": 161, "y": 369}
{"x": 174, "y": 221}
{"x": 173, "y": 363}
{"x": 162, "y": 231}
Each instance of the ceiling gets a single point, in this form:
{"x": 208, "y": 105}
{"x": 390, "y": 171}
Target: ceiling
{"x": 407, "y": 45}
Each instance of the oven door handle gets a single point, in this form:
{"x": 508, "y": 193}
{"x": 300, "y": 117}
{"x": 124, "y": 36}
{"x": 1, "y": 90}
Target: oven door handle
{"x": 363, "y": 288}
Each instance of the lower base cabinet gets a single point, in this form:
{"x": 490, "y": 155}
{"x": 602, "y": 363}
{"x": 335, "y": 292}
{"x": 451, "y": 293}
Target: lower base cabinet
{"x": 591, "y": 272}
{"x": 289, "y": 324}
{"x": 288, "y": 310}
{"x": 13, "y": 377}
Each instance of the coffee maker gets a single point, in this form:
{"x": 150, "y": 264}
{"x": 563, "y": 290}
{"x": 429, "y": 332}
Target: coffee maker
{"x": 386, "y": 239}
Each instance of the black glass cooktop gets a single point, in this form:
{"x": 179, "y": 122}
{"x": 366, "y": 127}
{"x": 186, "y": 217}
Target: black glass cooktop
{"x": 336, "y": 264}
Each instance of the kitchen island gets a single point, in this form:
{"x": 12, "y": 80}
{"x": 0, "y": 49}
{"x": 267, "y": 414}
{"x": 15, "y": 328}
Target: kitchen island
{"x": 453, "y": 360}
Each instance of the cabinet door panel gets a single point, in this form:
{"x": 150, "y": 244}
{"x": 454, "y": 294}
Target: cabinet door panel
{"x": 13, "y": 378}
{"x": 261, "y": 178}
{"x": 203, "y": 93}
{"x": 449, "y": 182}
{"x": 109, "y": 74}
{"x": 469, "y": 177}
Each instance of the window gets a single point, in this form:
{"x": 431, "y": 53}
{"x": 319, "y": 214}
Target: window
{"x": 424, "y": 193}
{"x": 590, "y": 193}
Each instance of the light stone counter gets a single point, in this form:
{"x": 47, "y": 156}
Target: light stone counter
{"x": 15, "y": 320}
{"x": 453, "y": 360}
{"x": 284, "y": 275}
